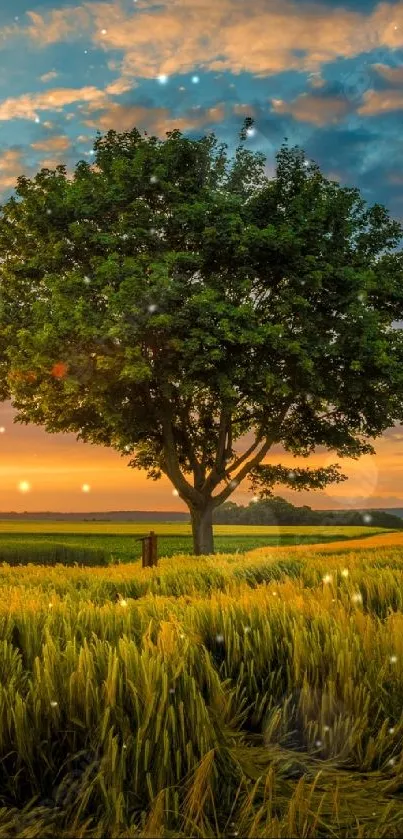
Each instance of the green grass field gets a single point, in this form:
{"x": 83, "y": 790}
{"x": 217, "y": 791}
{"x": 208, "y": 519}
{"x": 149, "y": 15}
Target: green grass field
{"x": 69, "y": 542}
{"x": 235, "y": 695}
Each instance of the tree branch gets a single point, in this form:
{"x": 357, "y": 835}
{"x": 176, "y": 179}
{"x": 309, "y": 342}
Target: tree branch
{"x": 243, "y": 457}
{"x": 229, "y": 442}
{"x": 225, "y": 493}
{"x": 225, "y": 419}
{"x": 198, "y": 471}
{"x": 171, "y": 461}
{"x": 251, "y": 449}
{"x": 215, "y": 475}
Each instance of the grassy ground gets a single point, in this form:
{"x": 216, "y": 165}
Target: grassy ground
{"x": 256, "y": 695}
{"x": 67, "y": 542}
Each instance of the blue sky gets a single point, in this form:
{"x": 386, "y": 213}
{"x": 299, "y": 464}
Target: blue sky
{"x": 327, "y": 75}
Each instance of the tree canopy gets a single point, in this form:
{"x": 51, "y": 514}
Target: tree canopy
{"x": 166, "y": 301}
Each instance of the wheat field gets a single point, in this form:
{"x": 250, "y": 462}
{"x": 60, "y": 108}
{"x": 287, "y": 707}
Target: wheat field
{"x": 255, "y": 695}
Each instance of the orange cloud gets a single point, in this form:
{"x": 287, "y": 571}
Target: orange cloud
{"x": 60, "y": 143}
{"x": 317, "y": 110}
{"x": 382, "y": 101}
{"x": 119, "y": 86}
{"x": 11, "y": 165}
{"x": 48, "y": 163}
{"x": 261, "y": 37}
{"x": 59, "y": 25}
{"x": 153, "y": 120}
{"x": 27, "y": 105}
{"x": 394, "y": 75}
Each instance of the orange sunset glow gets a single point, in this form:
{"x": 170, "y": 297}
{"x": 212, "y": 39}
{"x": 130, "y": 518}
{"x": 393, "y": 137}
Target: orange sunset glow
{"x": 55, "y": 472}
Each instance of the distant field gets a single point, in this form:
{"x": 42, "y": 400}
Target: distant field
{"x": 176, "y": 528}
{"x": 213, "y": 697}
{"x": 104, "y": 542}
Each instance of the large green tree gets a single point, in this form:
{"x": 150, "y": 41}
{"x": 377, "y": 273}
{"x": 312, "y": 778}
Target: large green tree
{"x": 166, "y": 300}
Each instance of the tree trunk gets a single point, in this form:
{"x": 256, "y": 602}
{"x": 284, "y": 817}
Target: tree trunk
{"x": 202, "y": 530}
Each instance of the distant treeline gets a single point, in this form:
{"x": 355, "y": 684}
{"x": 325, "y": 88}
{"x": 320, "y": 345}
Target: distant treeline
{"x": 277, "y": 510}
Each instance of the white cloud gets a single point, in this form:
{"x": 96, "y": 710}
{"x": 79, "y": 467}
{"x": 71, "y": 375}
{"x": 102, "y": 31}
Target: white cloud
{"x": 47, "y": 77}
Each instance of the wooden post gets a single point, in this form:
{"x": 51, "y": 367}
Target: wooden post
{"x": 153, "y": 548}
{"x": 149, "y": 550}
{"x": 146, "y": 552}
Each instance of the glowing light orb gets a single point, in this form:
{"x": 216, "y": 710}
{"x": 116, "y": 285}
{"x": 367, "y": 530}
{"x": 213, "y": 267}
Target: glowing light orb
{"x": 163, "y": 78}
{"x": 195, "y": 79}
{"x": 344, "y": 572}
{"x": 85, "y": 487}
{"x": 2, "y": 429}
{"x": 24, "y": 486}
{"x": 327, "y": 578}
{"x": 251, "y": 132}
{"x": 175, "y": 492}
{"x": 103, "y": 31}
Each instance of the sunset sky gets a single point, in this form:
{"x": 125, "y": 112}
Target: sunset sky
{"x": 328, "y": 76}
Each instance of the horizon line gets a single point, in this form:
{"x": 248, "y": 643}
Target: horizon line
{"x": 170, "y": 512}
